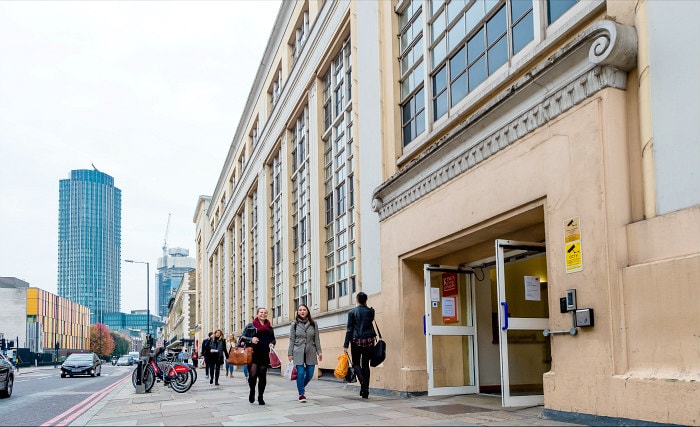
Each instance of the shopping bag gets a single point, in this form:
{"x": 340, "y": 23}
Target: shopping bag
{"x": 274, "y": 359}
{"x": 341, "y": 369}
{"x": 288, "y": 371}
{"x": 294, "y": 373}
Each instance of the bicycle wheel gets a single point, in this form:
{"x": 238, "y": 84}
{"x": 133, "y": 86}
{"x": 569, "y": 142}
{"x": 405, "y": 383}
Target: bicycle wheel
{"x": 148, "y": 379}
{"x": 182, "y": 382}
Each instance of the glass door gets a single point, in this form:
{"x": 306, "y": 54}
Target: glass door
{"x": 450, "y": 330}
{"x": 525, "y": 353}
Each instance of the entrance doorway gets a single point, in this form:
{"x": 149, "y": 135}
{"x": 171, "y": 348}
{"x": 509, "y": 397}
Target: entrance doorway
{"x": 484, "y": 323}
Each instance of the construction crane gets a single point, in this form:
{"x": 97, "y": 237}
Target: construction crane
{"x": 165, "y": 240}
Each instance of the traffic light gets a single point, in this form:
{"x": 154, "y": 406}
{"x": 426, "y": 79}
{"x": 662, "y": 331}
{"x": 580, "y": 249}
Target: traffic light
{"x": 11, "y": 344}
{"x": 3, "y": 344}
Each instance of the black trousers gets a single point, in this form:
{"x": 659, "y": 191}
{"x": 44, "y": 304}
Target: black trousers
{"x": 360, "y": 362}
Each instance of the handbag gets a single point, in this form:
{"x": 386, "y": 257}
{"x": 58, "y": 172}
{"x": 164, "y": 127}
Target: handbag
{"x": 240, "y": 355}
{"x": 351, "y": 376}
{"x": 379, "y": 351}
{"x": 274, "y": 359}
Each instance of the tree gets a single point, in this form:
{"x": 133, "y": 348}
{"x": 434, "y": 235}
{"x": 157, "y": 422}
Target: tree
{"x": 101, "y": 341}
{"x": 121, "y": 344}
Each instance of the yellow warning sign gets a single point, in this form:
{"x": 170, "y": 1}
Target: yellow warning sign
{"x": 573, "y": 255}
{"x": 572, "y": 230}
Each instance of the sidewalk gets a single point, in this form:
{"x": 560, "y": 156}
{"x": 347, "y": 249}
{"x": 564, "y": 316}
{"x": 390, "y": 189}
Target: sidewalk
{"x": 330, "y": 402}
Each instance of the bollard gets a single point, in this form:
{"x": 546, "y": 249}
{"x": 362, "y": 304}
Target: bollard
{"x": 140, "y": 385}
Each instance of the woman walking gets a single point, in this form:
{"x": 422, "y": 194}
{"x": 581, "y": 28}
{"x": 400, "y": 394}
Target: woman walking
{"x": 218, "y": 353}
{"x": 261, "y": 336}
{"x": 361, "y": 333}
{"x": 304, "y": 348}
{"x": 230, "y": 343}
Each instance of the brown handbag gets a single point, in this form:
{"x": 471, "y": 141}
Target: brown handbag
{"x": 240, "y": 356}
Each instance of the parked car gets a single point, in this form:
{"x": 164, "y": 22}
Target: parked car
{"x": 7, "y": 377}
{"x": 81, "y": 364}
{"x": 125, "y": 361}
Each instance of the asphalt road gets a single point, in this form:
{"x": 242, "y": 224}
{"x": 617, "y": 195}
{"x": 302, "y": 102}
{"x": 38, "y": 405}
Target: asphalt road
{"x": 41, "y": 396}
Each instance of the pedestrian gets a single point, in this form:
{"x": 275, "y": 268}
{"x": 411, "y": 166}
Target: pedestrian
{"x": 38, "y": 359}
{"x": 230, "y": 343}
{"x": 260, "y": 334}
{"x": 185, "y": 356}
{"x": 195, "y": 358}
{"x": 205, "y": 354}
{"x": 360, "y": 333}
{"x": 217, "y": 355}
{"x": 304, "y": 348}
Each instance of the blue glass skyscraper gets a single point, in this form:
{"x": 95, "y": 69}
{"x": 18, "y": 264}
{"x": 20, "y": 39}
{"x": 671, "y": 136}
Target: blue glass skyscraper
{"x": 89, "y": 242}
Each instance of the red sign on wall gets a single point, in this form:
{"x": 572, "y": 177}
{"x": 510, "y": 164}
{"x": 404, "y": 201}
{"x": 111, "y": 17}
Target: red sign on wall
{"x": 449, "y": 284}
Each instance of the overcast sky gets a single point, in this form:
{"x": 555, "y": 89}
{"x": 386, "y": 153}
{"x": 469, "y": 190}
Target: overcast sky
{"x": 148, "y": 92}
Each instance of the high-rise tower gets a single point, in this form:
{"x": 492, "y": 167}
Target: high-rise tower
{"x": 172, "y": 266}
{"x": 89, "y": 242}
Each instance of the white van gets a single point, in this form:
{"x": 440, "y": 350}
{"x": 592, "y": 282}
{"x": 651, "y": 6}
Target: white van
{"x": 134, "y": 355}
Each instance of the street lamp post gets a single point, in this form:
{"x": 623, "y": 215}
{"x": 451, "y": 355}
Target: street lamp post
{"x": 148, "y": 300}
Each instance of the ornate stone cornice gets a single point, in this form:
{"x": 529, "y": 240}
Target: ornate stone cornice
{"x": 612, "y": 53}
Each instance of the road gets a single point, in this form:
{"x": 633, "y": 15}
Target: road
{"x": 42, "y": 397}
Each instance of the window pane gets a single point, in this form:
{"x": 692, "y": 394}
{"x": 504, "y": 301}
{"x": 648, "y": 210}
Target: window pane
{"x": 440, "y": 81}
{"x": 474, "y": 14}
{"x": 435, "y": 5}
{"x": 420, "y": 123}
{"x": 438, "y": 26}
{"x": 439, "y": 52}
{"x": 407, "y": 112}
{"x": 519, "y": 7}
{"x": 456, "y": 34}
{"x": 454, "y": 9}
{"x": 496, "y": 26}
{"x": 523, "y": 33}
{"x": 458, "y": 90}
{"x": 475, "y": 46}
{"x": 498, "y": 55}
{"x": 440, "y": 105}
{"x": 477, "y": 73}
{"x": 407, "y": 135}
{"x": 458, "y": 63}
{"x": 556, "y": 8}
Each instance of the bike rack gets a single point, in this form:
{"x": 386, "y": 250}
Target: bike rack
{"x": 140, "y": 385}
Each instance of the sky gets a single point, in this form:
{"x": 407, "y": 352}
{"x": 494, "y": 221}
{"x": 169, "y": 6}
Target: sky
{"x": 149, "y": 92}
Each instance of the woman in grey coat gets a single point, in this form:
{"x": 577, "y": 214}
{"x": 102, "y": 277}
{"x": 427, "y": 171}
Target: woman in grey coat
{"x": 304, "y": 348}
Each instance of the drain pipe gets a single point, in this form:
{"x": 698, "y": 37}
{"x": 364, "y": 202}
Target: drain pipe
{"x": 646, "y": 134}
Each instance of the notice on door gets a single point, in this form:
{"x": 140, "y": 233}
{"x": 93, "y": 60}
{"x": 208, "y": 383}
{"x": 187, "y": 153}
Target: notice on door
{"x": 572, "y": 245}
{"x": 532, "y": 288}
{"x": 449, "y": 309}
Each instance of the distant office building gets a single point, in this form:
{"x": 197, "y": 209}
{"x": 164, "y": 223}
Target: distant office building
{"x": 89, "y": 242}
{"x": 36, "y": 319}
{"x": 172, "y": 266}
{"x": 133, "y": 323}
{"x": 52, "y": 319}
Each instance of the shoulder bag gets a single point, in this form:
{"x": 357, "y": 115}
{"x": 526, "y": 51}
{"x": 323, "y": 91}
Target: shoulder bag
{"x": 379, "y": 352}
{"x": 240, "y": 355}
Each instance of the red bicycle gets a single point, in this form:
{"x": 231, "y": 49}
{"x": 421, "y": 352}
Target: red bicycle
{"x": 175, "y": 375}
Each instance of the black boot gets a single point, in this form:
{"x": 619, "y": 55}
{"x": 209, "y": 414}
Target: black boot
{"x": 260, "y": 400}
{"x": 251, "y": 396}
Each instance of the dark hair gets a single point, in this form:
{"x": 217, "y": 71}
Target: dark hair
{"x": 210, "y": 334}
{"x": 362, "y": 298}
{"x": 308, "y": 314}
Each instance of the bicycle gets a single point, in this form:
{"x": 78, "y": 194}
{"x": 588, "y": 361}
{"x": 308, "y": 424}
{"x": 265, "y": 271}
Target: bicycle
{"x": 175, "y": 375}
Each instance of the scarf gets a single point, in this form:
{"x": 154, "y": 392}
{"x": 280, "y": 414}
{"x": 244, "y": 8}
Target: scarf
{"x": 261, "y": 327}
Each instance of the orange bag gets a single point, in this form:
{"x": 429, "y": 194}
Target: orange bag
{"x": 341, "y": 369}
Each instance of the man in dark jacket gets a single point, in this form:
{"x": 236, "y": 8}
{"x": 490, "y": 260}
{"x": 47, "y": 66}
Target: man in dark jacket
{"x": 206, "y": 355}
{"x": 360, "y": 333}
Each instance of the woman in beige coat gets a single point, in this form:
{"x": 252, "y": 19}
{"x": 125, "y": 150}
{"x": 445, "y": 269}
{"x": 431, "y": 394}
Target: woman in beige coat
{"x": 304, "y": 348}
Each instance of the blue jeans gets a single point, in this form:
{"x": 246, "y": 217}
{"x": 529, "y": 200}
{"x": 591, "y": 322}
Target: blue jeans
{"x": 304, "y": 375}
{"x": 229, "y": 368}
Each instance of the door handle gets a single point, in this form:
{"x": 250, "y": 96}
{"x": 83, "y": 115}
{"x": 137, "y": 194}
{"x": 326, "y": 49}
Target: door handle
{"x": 505, "y": 315}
